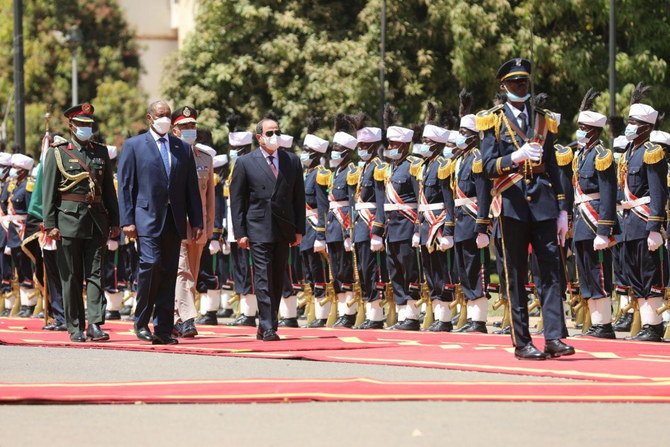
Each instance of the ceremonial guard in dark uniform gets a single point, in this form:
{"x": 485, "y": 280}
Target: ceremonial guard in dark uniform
{"x": 397, "y": 190}
{"x": 643, "y": 178}
{"x": 472, "y": 201}
{"x": 517, "y": 153}
{"x": 595, "y": 188}
{"x": 339, "y": 220}
{"x": 663, "y": 139}
{"x": 370, "y": 264}
{"x": 313, "y": 244}
{"x": 6, "y": 269}
{"x": 81, "y": 213}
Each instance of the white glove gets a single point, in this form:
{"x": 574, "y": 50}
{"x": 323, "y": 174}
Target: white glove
{"x": 8, "y": 251}
{"x": 319, "y": 246}
{"x": 225, "y": 248}
{"x": 445, "y": 243}
{"x": 482, "y": 240}
{"x": 112, "y": 245}
{"x": 376, "y": 243}
{"x": 654, "y": 240}
{"x": 214, "y": 246}
{"x": 49, "y": 244}
{"x": 600, "y": 242}
{"x": 529, "y": 151}
{"x": 562, "y": 227}
{"x": 416, "y": 240}
{"x": 348, "y": 246}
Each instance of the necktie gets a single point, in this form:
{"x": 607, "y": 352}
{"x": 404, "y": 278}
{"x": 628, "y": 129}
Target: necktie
{"x": 162, "y": 148}
{"x": 271, "y": 160}
{"x": 524, "y": 123}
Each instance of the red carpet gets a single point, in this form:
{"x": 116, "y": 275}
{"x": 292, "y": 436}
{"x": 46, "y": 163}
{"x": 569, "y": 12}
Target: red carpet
{"x": 328, "y": 390}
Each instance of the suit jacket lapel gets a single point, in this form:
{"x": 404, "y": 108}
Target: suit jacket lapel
{"x": 173, "y": 157}
{"x": 155, "y": 154}
{"x": 263, "y": 164}
{"x": 283, "y": 162}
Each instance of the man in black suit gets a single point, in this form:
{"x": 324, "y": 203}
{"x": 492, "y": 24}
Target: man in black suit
{"x": 268, "y": 214}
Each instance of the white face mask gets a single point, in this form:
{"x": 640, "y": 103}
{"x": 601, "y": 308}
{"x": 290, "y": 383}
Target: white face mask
{"x": 306, "y": 159}
{"x": 631, "y": 131}
{"x": 233, "y": 153}
{"x": 13, "y": 173}
{"x": 448, "y": 152}
{"x": 335, "y": 159}
{"x": 392, "y": 154}
{"x": 514, "y": 98}
{"x": 272, "y": 143}
{"x": 162, "y": 125}
{"x": 189, "y": 135}
{"x": 364, "y": 155}
{"x": 461, "y": 141}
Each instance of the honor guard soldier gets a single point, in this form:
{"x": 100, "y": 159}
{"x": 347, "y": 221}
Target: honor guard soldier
{"x": 6, "y": 269}
{"x": 472, "y": 201}
{"x": 595, "y": 223}
{"x": 339, "y": 220}
{"x": 81, "y": 213}
{"x": 17, "y": 211}
{"x": 240, "y": 144}
{"x": 643, "y": 175}
{"x": 369, "y": 263}
{"x": 397, "y": 190}
{"x": 433, "y": 216}
{"x": 517, "y": 154}
{"x": 663, "y": 139}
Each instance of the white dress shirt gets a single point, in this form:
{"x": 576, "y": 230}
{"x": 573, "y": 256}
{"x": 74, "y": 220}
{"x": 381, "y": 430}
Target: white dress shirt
{"x": 158, "y": 144}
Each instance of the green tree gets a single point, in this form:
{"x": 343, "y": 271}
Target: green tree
{"x": 109, "y": 66}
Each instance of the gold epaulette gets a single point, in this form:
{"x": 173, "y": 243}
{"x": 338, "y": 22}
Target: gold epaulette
{"x": 354, "y": 175}
{"x": 604, "y": 157}
{"x": 12, "y": 186}
{"x": 551, "y": 119}
{"x": 30, "y": 185}
{"x": 486, "y": 119}
{"x": 477, "y": 163}
{"x": 381, "y": 172}
{"x": 564, "y": 154}
{"x": 323, "y": 176}
{"x": 416, "y": 164}
{"x": 653, "y": 153}
{"x": 217, "y": 179}
{"x": 445, "y": 170}
{"x": 226, "y": 190}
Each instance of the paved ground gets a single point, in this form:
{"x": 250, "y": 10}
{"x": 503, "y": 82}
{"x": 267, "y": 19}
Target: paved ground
{"x": 322, "y": 424}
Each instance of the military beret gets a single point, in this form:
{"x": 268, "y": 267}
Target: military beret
{"x": 21, "y": 161}
{"x": 435, "y": 133}
{"x": 399, "y": 134}
{"x": 239, "y": 138}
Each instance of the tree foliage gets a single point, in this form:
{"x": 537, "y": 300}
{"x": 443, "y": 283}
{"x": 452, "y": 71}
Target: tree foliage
{"x": 108, "y": 66}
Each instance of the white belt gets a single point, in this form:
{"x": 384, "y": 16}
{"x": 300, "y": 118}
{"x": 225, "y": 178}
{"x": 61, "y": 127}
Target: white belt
{"x": 465, "y": 201}
{"x": 310, "y": 213}
{"x": 399, "y": 206}
{"x": 338, "y": 204}
{"x": 582, "y": 198}
{"x": 13, "y": 218}
{"x": 365, "y": 206}
{"x": 628, "y": 204}
{"x": 431, "y": 207}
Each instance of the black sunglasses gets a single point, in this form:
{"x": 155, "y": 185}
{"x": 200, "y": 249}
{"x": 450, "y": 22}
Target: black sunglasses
{"x": 269, "y": 133}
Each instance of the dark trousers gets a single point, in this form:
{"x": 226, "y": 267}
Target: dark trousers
{"x": 55, "y": 287}
{"x": 156, "y": 278}
{"x": 81, "y": 260}
{"x": 436, "y": 270}
{"x": 403, "y": 271}
{"x": 127, "y": 267}
{"x": 368, "y": 271}
{"x": 313, "y": 266}
{"x": 617, "y": 265}
{"x": 7, "y": 270}
{"x": 270, "y": 262}
{"x": 242, "y": 271}
{"x": 542, "y": 237}
{"x": 24, "y": 268}
{"x": 207, "y": 277}
{"x": 472, "y": 272}
{"x": 341, "y": 265}
{"x": 642, "y": 269}
{"x": 293, "y": 275}
{"x": 595, "y": 276}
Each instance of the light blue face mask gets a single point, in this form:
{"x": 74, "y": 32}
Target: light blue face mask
{"x": 305, "y": 158}
{"x": 13, "y": 173}
{"x": 461, "y": 141}
{"x": 189, "y": 135}
{"x": 335, "y": 155}
{"x": 448, "y": 152}
{"x": 83, "y": 133}
{"x": 631, "y": 131}
{"x": 233, "y": 154}
{"x": 392, "y": 154}
{"x": 514, "y": 98}
{"x": 364, "y": 154}
{"x": 422, "y": 150}
{"x": 582, "y": 136}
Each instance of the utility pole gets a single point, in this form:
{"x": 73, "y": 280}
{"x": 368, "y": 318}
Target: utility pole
{"x": 612, "y": 65}
{"x": 382, "y": 66}
{"x": 74, "y": 38}
{"x": 19, "y": 94}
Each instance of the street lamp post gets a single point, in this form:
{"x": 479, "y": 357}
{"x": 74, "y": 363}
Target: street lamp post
{"x": 19, "y": 96}
{"x": 74, "y": 38}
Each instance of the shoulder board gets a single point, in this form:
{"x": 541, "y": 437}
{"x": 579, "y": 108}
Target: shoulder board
{"x": 445, "y": 170}
{"x": 30, "y": 185}
{"x": 415, "y": 166}
{"x": 354, "y": 175}
{"x": 58, "y": 141}
{"x": 486, "y": 119}
{"x": 551, "y": 119}
{"x": 323, "y": 176}
{"x": 381, "y": 172}
{"x": 604, "y": 157}
{"x": 217, "y": 179}
{"x": 564, "y": 154}
{"x": 101, "y": 146}
{"x": 477, "y": 163}
{"x": 653, "y": 153}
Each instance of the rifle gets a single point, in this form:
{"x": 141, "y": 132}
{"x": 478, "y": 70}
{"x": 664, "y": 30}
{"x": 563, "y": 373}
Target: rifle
{"x": 632, "y": 304}
{"x": 501, "y": 301}
{"x": 307, "y": 301}
{"x": 358, "y": 292}
{"x": 459, "y": 300}
{"x": 428, "y": 317}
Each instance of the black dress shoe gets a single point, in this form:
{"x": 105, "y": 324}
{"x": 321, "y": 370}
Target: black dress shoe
{"x": 408, "y": 324}
{"x": 507, "y": 330}
{"x": 144, "y": 334}
{"x": 94, "y": 332}
{"x": 556, "y": 348}
{"x": 78, "y": 337}
{"x": 243, "y": 320}
{"x": 529, "y": 352}
{"x": 163, "y": 340}
{"x": 22, "y": 313}
{"x": 225, "y": 313}
{"x": 5, "y": 313}
{"x": 624, "y": 323}
{"x": 497, "y": 324}
{"x": 347, "y": 321}
{"x": 441, "y": 326}
{"x": 188, "y": 329}
{"x": 371, "y": 324}
{"x": 463, "y": 328}
{"x": 319, "y": 322}
{"x": 112, "y": 315}
{"x": 476, "y": 326}
{"x": 649, "y": 332}
{"x": 288, "y": 322}
{"x": 60, "y": 327}
{"x": 600, "y": 331}
{"x": 209, "y": 319}
{"x": 50, "y": 327}
{"x": 269, "y": 335}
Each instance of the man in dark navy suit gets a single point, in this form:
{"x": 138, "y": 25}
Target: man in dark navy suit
{"x": 268, "y": 213}
{"x": 158, "y": 188}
